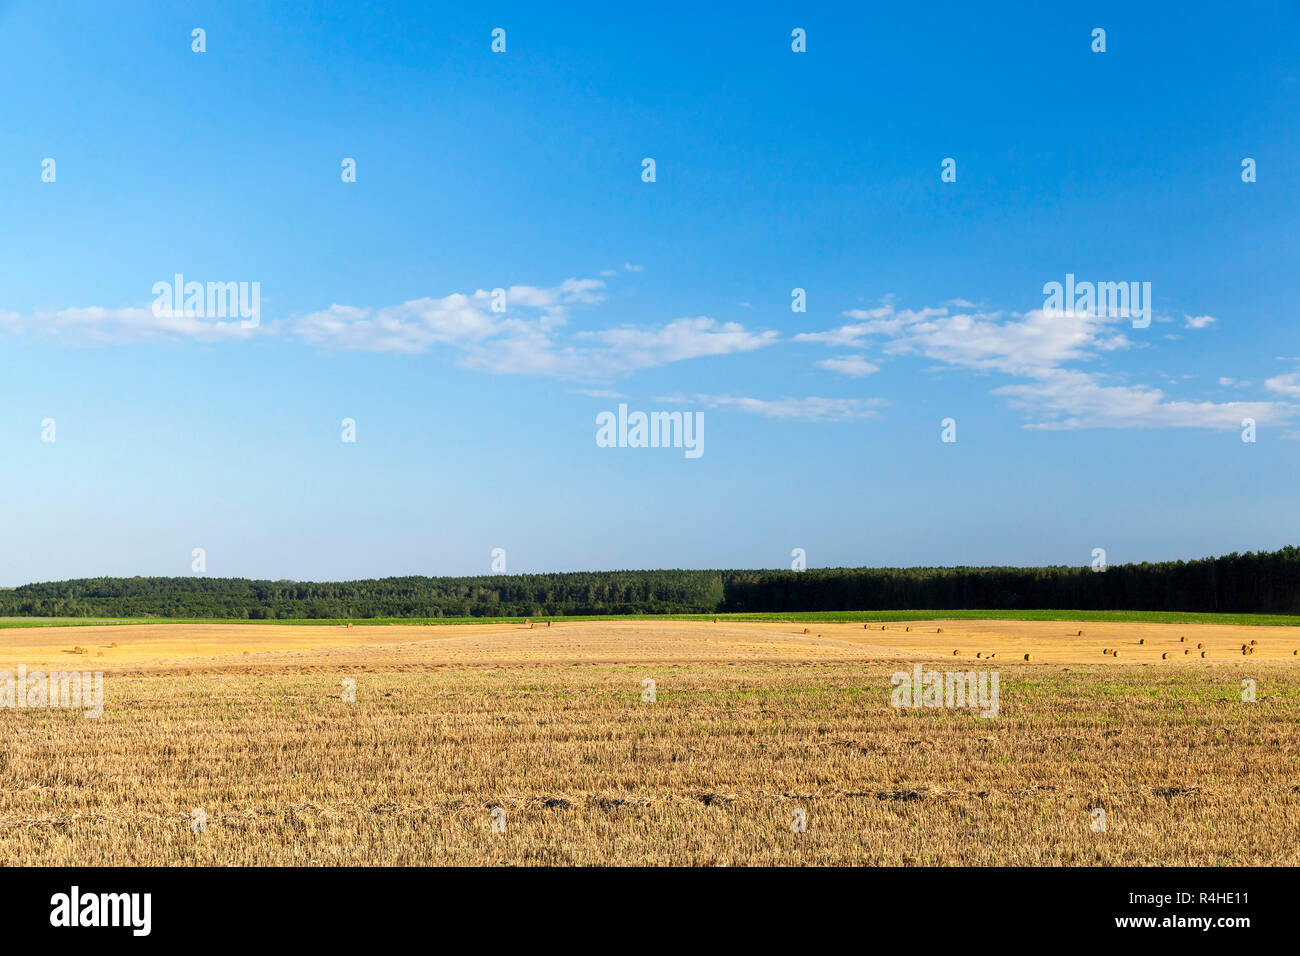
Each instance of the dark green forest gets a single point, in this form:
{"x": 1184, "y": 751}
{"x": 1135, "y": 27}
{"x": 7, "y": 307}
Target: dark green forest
{"x": 1263, "y": 583}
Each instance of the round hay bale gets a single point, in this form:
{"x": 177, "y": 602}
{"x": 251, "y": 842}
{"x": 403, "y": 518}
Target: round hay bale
{"x": 1029, "y": 657}
{"x": 1202, "y": 653}
{"x": 1200, "y": 647}
{"x": 1142, "y": 640}
{"x": 979, "y": 654}
{"x": 1105, "y": 650}
{"x": 1164, "y": 656}
{"x": 1188, "y": 651}
{"x": 805, "y": 630}
{"x": 993, "y": 655}
{"x": 907, "y": 628}
{"x": 1182, "y": 640}
{"x": 1080, "y": 634}
{"x": 955, "y": 653}
{"x": 938, "y": 630}
{"x": 1114, "y": 653}
{"x": 1253, "y": 643}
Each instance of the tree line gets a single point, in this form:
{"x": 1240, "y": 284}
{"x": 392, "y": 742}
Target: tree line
{"x": 1254, "y": 582}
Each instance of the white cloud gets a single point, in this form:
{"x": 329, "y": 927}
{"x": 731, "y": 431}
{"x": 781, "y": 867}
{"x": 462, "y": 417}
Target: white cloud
{"x": 812, "y": 409}
{"x": 101, "y": 326}
{"x": 854, "y": 366}
{"x": 1038, "y": 346}
{"x": 413, "y": 326}
{"x": 994, "y": 341}
{"x": 1068, "y": 399}
{"x": 880, "y": 321}
{"x": 525, "y": 338}
{"x": 1038, "y": 350}
{"x": 584, "y": 291}
{"x": 599, "y": 356}
{"x": 679, "y": 339}
{"x": 1288, "y": 384}
{"x": 1017, "y": 345}
{"x": 458, "y": 319}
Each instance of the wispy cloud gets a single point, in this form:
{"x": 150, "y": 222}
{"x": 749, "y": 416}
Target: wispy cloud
{"x": 526, "y": 332}
{"x": 1039, "y": 346}
{"x": 524, "y": 347}
{"x": 854, "y": 366}
{"x": 1068, "y": 399}
{"x": 108, "y": 326}
{"x": 414, "y": 326}
{"x": 459, "y": 319}
{"x": 528, "y": 337}
{"x": 1288, "y": 384}
{"x": 677, "y": 340}
{"x": 812, "y": 409}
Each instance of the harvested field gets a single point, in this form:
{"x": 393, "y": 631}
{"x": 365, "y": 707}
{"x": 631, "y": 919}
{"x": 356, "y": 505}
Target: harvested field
{"x": 748, "y": 722}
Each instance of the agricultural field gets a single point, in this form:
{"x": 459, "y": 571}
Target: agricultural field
{"x": 684, "y": 742}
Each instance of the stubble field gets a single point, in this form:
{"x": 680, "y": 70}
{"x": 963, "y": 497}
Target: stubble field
{"x": 750, "y": 722}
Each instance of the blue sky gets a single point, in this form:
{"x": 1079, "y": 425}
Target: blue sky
{"x": 522, "y": 170}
